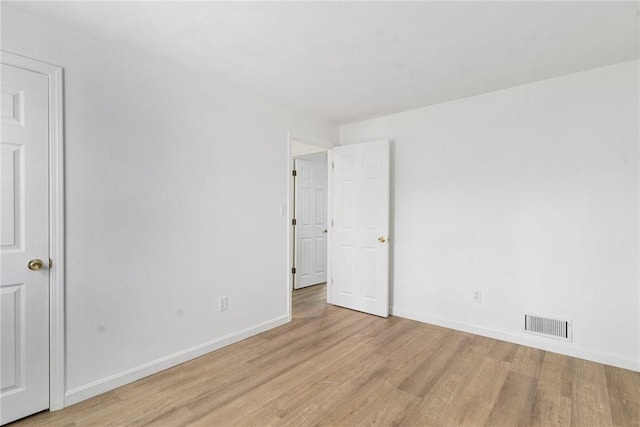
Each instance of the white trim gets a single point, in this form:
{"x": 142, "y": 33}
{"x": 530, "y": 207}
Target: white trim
{"x": 329, "y": 226}
{"x": 638, "y": 235}
{"x": 56, "y": 218}
{"x": 318, "y": 142}
{"x": 529, "y": 341}
{"x": 290, "y": 192}
{"x": 130, "y": 375}
{"x": 56, "y": 221}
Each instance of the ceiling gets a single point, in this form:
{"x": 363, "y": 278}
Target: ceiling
{"x": 348, "y": 61}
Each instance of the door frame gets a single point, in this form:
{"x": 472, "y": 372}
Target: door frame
{"x": 54, "y": 75}
{"x": 318, "y": 142}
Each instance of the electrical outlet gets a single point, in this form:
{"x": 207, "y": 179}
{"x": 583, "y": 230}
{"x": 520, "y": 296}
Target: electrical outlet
{"x": 223, "y": 303}
{"x": 477, "y": 295}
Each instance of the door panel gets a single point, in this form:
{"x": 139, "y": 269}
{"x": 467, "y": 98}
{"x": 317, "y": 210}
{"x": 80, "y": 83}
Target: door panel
{"x": 24, "y": 294}
{"x": 360, "y": 231}
{"x": 311, "y": 222}
{"x": 10, "y": 216}
{"x": 13, "y": 328}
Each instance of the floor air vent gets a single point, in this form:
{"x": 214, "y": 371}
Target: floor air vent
{"x": 548, "y": 327}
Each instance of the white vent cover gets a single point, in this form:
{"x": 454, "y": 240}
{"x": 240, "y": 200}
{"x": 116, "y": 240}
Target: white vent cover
{"x": 548, "y": 327}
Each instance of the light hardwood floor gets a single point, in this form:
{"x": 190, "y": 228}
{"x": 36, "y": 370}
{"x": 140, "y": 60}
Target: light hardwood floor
{"x": 337, "y": 367}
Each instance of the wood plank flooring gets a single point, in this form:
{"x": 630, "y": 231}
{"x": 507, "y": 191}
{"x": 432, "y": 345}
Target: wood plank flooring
{"x": 337, "y": 367}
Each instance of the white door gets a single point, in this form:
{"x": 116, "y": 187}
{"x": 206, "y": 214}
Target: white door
{"x": 24, "y": 222}
{"x": 311, "y": 221}
{"x": 360, "y": 230}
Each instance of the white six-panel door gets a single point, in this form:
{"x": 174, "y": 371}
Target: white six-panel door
{"x": 24, "y": 230}
{"x": 360, "y": 230}
{"x": 311, "y": 222}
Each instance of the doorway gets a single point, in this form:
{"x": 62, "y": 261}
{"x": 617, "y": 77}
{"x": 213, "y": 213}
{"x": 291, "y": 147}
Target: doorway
{"x": 305, "y": 212}
{"x": 358, "y": 200}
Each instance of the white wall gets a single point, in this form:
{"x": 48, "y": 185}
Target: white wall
{"x": 529, "y": 194}
{"x": 174, "y": 183}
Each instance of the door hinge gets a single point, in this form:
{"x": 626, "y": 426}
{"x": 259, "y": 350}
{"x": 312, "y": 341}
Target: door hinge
{"x": 294, "y": 222}
{"x": 294, "y": 173}
{"x": 293, "y": 270}
{"x": 333, "y": 165}
{"x": 50, "y": 263}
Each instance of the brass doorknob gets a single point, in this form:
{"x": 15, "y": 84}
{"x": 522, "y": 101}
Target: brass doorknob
{"x": 324, "y": 231}
{"x": 35, "y": 264}
{"x": 382, "y": 239}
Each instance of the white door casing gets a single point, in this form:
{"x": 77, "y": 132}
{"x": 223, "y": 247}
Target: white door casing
{"x": 24, "y": 218}
{"x": 360, "y": 192}
{"x": 311, "y": 221}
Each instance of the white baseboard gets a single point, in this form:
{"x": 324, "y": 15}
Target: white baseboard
{"x": 567, "y": 349}
{"x": 86, "y": 391}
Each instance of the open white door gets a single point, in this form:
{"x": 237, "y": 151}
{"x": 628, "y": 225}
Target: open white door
{"x": 24, "y": 244}
{"x": 360, "y": 227}
{"x": 311, "y": 220}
